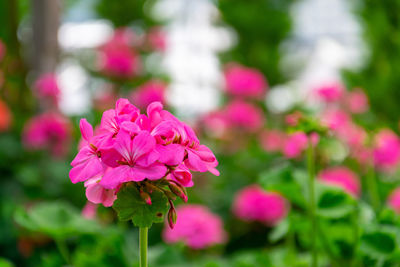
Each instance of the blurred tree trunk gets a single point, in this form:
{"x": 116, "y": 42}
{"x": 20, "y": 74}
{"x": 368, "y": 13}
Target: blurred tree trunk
{"x": 45, "y": 23}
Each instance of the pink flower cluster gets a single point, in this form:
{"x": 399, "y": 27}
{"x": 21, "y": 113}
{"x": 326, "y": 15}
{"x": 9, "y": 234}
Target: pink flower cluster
{"x": 341, "y": 177}
{"x": 236, "y": 115}
{"x": 394, "y": 200}
{"x": 46, "y": 88}
{"x": 131, "y": 147}
{"x": 48, "y": 131}
{"x": 197, "y": 228}
{"x": 255, "y": 204}
{"x": 5, "y": 116}
{"x": 151, "y": 91}
{"x": 117, "y": 58}
{"x": 386, "y": 151}
{"x": 244, "y": 82}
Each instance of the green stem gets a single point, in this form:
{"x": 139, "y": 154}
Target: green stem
{"x": 62, "y": 247}
{"x": 311, "y": 191}
{"x": 143, "y": 246}
{"x": 373, "y": 189}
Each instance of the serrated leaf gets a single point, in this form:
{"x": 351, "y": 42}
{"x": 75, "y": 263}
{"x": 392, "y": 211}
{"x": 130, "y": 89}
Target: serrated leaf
{"x": 130, "y": 206}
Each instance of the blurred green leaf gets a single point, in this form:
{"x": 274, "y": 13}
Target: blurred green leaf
{"x": 333, "y": 202}
{"x": 56, "y": 219}
{"x": 379, "y": 241}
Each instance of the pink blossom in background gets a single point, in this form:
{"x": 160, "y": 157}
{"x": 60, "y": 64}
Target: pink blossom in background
{"x": 216, "y": 123}
{"x": 197, "y": 227}
{"x": 5, "y": 117}
{"x": 244, "y": 82}
{"x": 295, "y": 144}
{"x": 357, "y": 101}
{"x": 130, "y": 147}
{"x": 244, "y": 115}
{"x": 272, "y": 140}
{"x": 157, "y": 39}
{"x": 330, "y": 92}
{"x": 46, "y": 87}
{"x": 335, "y": 119}
{"x": 255, "y": 204}
{"x": 48, "y": 131}
{"x": 293, "y": 119}
{"x": 89, "y": 211}
{"x": 352, "y": 134}
{"x": 386, "y": 150}
{"x": 151, "y": 91}
{"x": 117, "y": 57}
{"x": 394, "y": 200}
{"x": 341, "y": 177}
{"x": 2, "y": 50}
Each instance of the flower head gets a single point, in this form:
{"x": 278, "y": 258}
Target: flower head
{"x": 394, "y": 200}
{"x": 245, "y": 82}
{"x": 244, "y": 115}
{"x": 330, "y": 92}
{"x": 48, "y": 131}
{"x": 357, "y": 101}
{"x": 151, "y": 91}
{"x": 196, "y": 227}
{"x": 46, "y": 87}
{"x": 132, "y": 147}
{"x": 386, "y": 150}
{"x": 341, "y": 177}
{"x": 255, "y": 204}
{"x": 295, "y": 144}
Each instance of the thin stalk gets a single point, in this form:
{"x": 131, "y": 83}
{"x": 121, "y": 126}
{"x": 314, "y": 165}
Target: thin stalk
{"x": 373, "y": 189}
{"x": 143, "y": 231}
{"x": 311, "y": 192}
{"x": 62, "y": 247}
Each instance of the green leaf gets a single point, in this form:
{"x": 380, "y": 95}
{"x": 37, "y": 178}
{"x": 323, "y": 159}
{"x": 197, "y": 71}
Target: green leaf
{"x": 333, "y": 202}
{"x": 379, "y": 242}
{"x": 56, "y": 219}
{"x": 279, "y": 231}
{"x": 130, "y": 206}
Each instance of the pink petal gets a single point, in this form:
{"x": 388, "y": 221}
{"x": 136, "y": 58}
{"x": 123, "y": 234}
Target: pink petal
{"x": 86, "y": 129}
{"x": 171, "y": 154}
{"x": 153, "y": 172}
{"x": 86, "y": 165}
{"x": 194, "y": 162}
{"x": 116, "y": 176}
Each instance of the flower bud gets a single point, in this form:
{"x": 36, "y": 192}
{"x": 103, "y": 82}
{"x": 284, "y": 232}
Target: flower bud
{"x": 146, "y": 197}
{"x": 178, "y": 190}
{"x": 171, "y": 215}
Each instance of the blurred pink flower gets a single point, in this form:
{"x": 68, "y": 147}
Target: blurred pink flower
{"x": 272, "y": 140}
{"x": 151, "y": 91}
{"x": 244, "y": 82}
{"x": 216, "y": 123}
{"x": 335, "y": 119}
{"x": 341, "y": 177}
{"x": 46, "y": 87}
{"x": 255, "y": 204}
{"x": 357, "y": 101}
{"x": 89, "y": 211}
{"x": 117, "y": 57}
{"x": 2, "y": 50}
{"x": 244, "y": 115}
{"x": 196, "y": 227}
{"x": 293, "y": 119}
{"x": 295, "y": 144}
{"x": 5, "y": 117}
{"x": 48, "y": 131}
{"x": 330, "y": 92}
{"x": 352, "y": 134}
{"x": 394, "y": 200}
{"x": 386, "y": 150}
{"x": 157, "y": 39}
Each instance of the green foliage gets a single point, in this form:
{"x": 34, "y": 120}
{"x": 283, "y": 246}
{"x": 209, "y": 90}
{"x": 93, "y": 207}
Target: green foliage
{"x": 261, "y": 26}
{"x": 130, "y": 206}
{"x": 56, "y": 219}
{"x": 333, "y": 202}
{"x": 380, "y": 77}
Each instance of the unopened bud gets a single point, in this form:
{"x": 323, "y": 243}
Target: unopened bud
{"x": 177, "y": 190}
{"x": 171, "y": 215}
{"x": 146, "y": 197}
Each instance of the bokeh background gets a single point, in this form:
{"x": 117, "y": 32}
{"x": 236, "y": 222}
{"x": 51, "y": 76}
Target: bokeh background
{"x": 256, "y": 79}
